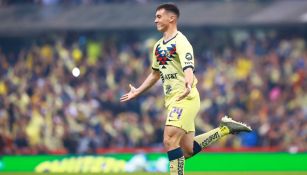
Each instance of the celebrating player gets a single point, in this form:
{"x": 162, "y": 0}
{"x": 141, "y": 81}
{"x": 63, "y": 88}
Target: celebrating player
{"x": 173, "y": 62}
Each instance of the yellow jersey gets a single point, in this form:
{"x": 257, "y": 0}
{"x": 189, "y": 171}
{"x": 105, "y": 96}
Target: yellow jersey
{"x": 171, "y": 58}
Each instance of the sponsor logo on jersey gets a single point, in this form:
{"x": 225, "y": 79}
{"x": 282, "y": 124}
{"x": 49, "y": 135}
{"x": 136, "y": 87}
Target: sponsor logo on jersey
{"x": 168, "y": 76}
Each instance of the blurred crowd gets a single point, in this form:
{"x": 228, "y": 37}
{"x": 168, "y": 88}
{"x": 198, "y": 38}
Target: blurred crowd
{"x": 5, "y": 3}
{"x": 255, "y": 77}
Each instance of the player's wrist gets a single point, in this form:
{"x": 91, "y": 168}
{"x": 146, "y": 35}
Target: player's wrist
{"x": 188, "y": 86}
{"x": 139, "y": 91}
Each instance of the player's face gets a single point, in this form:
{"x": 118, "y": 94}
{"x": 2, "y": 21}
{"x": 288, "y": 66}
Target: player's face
{"x": 162, "y": 20}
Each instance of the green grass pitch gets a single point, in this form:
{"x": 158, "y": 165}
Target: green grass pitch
{"x": 195, "y": 173}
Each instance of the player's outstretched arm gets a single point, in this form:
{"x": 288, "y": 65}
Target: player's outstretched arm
{"x": 151, "y": 79}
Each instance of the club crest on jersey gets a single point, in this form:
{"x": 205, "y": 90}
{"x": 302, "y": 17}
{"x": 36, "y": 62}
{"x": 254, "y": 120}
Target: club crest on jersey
{"x": 164, "y": 56}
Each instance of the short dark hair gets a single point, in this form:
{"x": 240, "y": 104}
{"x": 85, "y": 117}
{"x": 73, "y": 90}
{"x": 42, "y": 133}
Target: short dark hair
{"x": 169, "y": 7}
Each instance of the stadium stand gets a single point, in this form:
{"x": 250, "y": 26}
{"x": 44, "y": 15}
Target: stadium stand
{"x": 257, "y": 75}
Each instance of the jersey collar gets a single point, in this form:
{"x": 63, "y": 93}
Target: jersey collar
{"x": 165, "y": 42}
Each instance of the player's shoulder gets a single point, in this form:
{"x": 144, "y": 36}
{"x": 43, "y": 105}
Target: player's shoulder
{"x": 182, "y": 37}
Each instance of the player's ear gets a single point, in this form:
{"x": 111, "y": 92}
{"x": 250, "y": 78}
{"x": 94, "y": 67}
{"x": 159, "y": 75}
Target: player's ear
{"x": 172, "y": 18}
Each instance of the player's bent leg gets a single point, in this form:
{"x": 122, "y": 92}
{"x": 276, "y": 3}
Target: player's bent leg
{"x": 227, "y": 126}
{"x": 171, "y": 140}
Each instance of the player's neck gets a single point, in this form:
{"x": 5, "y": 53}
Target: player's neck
{"x": 167, "y": 35}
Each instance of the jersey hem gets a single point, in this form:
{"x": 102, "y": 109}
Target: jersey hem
{"x": 188, "y": 67}
{"x": 154, "y": 69}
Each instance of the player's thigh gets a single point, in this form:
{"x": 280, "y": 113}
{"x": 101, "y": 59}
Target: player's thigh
{"x": 172, "y": 136}
{"x": 187, "y": 142}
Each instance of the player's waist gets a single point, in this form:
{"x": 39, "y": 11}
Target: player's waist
{"x": 174, "y": 80}
{"x": 172, "y": 87}
{"x": 172, "y": 97}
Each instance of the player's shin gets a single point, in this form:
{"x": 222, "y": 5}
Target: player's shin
{"x": 176, "y": 159}
{"x": 206, "y": 139}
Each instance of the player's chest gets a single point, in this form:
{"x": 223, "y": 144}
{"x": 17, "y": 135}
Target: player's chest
{"x": 166, "y": 54}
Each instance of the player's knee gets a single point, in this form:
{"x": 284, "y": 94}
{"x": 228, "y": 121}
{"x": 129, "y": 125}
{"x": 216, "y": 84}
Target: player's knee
{"x": 167, "y": 142}
{"x": 170, "y": 143}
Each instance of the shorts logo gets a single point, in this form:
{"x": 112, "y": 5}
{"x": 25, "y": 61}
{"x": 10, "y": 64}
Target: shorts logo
{"x": 188, "y": 56}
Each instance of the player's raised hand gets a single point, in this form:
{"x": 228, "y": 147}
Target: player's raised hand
{"x": 130, "y": 95}
{"x": 186, "y": 92}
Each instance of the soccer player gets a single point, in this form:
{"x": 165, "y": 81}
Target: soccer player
{"x": 173, "y": 62}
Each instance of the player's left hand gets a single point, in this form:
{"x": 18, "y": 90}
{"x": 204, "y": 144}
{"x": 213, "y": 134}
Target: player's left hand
{"x": 186, "y": 92}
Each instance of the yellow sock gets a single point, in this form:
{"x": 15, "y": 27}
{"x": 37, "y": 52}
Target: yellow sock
{"x": 177, "y": 166}
{"x": 211, "y": 136}
{"x": 176, "y": 159}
